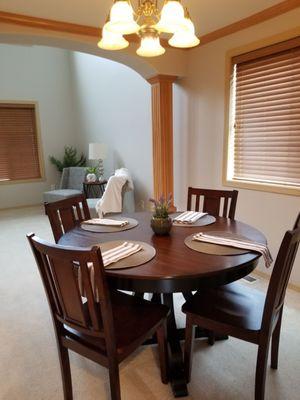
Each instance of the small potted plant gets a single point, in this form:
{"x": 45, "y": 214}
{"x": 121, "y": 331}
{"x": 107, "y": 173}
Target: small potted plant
{"x": 161, "y": 223}
{"x": 91, "y": 174}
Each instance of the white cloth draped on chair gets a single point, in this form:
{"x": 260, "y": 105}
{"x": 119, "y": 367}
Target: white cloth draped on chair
{"x": 112, "y": 199}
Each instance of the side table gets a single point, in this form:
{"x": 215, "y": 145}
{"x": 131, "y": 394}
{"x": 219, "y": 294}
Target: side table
{"x": 94, "y": 190}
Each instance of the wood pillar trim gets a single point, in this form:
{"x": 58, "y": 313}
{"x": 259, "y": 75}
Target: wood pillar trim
{"x": 162, "y": 134}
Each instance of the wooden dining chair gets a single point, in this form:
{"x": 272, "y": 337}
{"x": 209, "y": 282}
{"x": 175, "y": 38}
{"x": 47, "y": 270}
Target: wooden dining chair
{"x": 219, "y": 203}
{"x": 65, "y": 214}
{"x": 245, "y": 313}
{"x": 106, "y": 331}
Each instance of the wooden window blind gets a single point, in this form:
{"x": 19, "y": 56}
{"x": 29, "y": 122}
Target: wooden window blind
{"x": 19, "y": 152}
{"x": 266, "y": 115}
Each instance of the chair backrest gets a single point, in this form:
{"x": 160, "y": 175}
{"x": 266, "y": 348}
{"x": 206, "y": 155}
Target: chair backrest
{"x": 65, "y": 214}
{"x": 72, "y": 178}
{"x": 58, "y": 267}
{"x": 219, "y": 203}
{"x": 281, "y": 274}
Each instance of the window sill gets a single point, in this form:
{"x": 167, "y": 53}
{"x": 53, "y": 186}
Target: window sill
{"x": 263, "y": 187}
{"x": 15, "y": 182}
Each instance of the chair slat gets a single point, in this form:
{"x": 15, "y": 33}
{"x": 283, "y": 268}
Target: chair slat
{"x": 68, "y": 291}
{"x": 90, "y": 295}
{"x": 197, "y": 205}
{"x": 225, "y": 208}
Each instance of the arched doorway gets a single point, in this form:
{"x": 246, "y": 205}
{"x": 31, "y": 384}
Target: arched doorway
{"x": 160, "y": 73}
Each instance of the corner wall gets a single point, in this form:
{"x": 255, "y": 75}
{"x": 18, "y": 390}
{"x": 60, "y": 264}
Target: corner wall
{"x": 272, "y": 213}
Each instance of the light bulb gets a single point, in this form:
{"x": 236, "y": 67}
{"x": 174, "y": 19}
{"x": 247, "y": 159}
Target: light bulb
{"x": 172, "y": 17}
{"x": 121, "y": 18}
{"x": 111, "y": 40}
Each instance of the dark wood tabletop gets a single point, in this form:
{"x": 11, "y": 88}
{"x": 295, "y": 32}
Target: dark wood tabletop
{"x": 175, "y": 267}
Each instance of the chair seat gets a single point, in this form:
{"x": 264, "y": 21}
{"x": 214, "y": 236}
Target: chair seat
{"x": 233, "y": 305}
{"x": 60, "y": 194}
{"x": 133, "y": 319}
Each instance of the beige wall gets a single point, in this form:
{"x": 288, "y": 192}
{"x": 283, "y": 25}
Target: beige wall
{"x": 82, "y": 98}
{"x": 204, "y": 130}
{"x": 40, "y": 74}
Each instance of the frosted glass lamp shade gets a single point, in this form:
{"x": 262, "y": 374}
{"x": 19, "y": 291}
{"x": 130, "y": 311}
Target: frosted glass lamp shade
{"x": 97, "y": 151}
{"x": 111, "y": 40}
{"x": 150, "y": 47}
{"x": 172, "y": 17}
{"x": 184, "y": 40}
{"x": 185, "y": 37}
{"x": 121, "y": 18}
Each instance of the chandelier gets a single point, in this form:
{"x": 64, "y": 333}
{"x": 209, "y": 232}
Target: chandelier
{"x": 148, "y": 23}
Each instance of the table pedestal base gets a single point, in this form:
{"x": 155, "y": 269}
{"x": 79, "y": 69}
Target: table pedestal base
{"x": 175, "y": 335}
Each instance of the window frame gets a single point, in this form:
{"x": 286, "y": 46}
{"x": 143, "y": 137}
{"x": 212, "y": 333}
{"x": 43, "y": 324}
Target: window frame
{"x": 253, "y": 47}
{"x": 35, "y": 105}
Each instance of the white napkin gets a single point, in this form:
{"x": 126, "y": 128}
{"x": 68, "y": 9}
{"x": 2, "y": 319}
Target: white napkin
{"x": 106, "y": 222}
{"x": 241, "y": 244}
{"x": 189, "y": 217}
{"x": 118, "y": 253}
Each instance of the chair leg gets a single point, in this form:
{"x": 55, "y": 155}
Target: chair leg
{"x": 163, "y": 352}
{"x": 114, "y": 379}
{"x": 188, "y": 347}
{"x": 275, "y": 342}
{"x": 261, "y": 369}
{"x": 65, "y": 371}
{"x": 211, "y": 337}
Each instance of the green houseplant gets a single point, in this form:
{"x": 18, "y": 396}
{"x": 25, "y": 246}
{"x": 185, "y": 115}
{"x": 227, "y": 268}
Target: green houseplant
{"x": 91, "y": 174}
{"x": 70, "y": 159}
{"x": 161, "y": 223}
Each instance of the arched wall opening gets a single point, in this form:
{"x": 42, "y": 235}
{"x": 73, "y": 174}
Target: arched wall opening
{"x": 81, "y": 99}
{"x": 173, "y": 64}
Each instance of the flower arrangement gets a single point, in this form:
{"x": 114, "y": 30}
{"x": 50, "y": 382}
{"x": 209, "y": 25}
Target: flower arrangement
{"x": 161, "y": 206}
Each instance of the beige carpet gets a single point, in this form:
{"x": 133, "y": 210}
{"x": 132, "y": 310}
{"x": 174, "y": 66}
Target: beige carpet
{"x": 28, "y": 360}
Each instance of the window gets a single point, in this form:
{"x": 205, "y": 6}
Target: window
{"x": 19, "y": 149}
{"x": 264, "y": 138}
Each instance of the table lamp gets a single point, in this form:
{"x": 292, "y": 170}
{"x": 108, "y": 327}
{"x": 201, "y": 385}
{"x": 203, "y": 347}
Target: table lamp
{"x": 97, "y": 151}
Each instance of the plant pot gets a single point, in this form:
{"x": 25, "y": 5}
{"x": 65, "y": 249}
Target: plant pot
{"x": 161, "y": 226}
{"x": 91, "y": 177}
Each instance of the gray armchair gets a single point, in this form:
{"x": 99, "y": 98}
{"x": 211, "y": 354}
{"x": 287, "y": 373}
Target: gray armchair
{"x": 70, "y": 185}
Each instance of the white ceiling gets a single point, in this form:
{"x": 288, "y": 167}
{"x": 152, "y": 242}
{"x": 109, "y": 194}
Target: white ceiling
{"x": 208, "y": 15}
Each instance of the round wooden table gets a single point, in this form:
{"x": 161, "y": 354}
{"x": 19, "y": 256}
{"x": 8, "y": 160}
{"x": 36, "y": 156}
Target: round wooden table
{"x": 175, "y": 268}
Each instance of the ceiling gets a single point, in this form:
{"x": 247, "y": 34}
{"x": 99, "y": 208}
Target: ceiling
{"x": 208, "y": 15}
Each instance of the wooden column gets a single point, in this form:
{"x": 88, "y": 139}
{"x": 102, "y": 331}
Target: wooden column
{"x": 162, "y": 127}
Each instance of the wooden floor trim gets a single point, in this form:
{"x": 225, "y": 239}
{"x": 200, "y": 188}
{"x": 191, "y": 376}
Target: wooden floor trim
{"x": 22, "y": 206}
{"x": 67, "y": 27}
